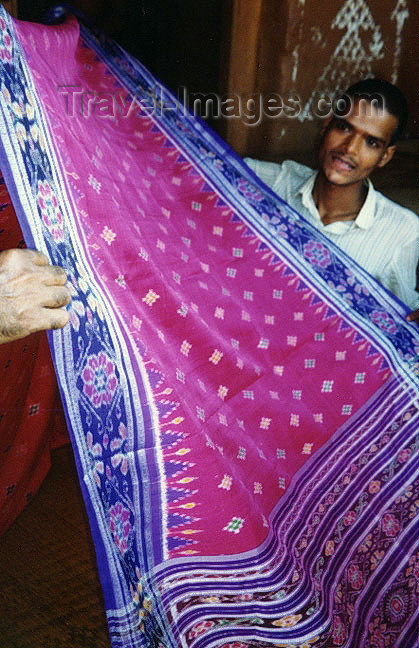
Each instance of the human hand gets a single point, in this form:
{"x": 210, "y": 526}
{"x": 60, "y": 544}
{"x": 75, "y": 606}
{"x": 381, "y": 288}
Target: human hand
{"x": 32, "y": 294}
{"x": 413, "y": 317}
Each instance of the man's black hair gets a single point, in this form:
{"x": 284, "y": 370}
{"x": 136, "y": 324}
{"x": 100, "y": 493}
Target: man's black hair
{"x": 385, "y": 96}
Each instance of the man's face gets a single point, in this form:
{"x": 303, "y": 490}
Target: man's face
{"x": 352, "y": 147}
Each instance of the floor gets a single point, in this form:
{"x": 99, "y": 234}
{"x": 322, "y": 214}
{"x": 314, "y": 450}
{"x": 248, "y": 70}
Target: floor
{"x": 50, "y": 596}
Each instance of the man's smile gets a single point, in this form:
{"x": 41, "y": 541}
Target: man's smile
{"x": 340, "y": 162}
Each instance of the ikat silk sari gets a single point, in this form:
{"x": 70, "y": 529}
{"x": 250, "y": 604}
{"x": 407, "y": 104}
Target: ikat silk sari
{"x": 241, "y": 396}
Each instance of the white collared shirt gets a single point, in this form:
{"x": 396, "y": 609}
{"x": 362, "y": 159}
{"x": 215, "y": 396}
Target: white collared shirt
{"x": 383, "y": 239}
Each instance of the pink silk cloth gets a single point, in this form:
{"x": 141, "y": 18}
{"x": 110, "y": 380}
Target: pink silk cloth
{"x": 241, "y": 397}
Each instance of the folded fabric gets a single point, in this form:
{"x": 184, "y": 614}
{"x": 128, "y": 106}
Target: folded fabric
{"x": 241, "y": 397}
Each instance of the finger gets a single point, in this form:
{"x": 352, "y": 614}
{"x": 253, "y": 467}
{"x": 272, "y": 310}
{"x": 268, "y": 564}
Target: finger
{"x": 53, "y": 318}
{"x": 56, "y": 297}
{"x": 15, "y": 260}
{"x": 54, "y": 276}
{"x": 38, "y": 319}
{"x": 36, "y": 257}
{"x": 413, "y": 317}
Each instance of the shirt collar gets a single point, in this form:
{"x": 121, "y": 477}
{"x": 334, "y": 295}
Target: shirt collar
{"x": 365, "y": 218}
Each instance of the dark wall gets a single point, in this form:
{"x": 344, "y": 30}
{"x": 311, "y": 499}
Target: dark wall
{"x": 178, "y": 40}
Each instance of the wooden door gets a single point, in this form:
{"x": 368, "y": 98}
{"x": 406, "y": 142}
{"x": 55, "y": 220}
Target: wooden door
{"x": 11, "y": 6}
{"x": 312, "y": 48}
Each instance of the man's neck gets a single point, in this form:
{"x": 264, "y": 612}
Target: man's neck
{"x": 337, "y": 202}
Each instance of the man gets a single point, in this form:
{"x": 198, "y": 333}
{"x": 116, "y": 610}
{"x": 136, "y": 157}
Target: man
{"x": 32, "y": 294}
{"x": 341, "y": 201}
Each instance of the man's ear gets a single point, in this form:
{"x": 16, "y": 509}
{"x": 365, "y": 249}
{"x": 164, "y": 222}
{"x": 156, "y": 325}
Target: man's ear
{"x": 387, "y": 155}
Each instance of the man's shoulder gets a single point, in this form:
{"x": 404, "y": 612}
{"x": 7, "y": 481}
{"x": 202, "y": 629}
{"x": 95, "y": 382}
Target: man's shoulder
{"x": 297, "y": 169}
{"x": 274, "y": 173}
{"x": 387, "y": 208}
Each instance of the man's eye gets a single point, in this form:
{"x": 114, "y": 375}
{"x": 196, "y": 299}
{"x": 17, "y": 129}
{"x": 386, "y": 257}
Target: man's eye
{"x": 372, "y": 142}
{"x": 341, "y": 125}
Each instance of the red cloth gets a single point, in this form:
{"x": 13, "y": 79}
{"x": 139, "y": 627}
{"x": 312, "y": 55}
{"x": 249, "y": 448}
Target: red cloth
{"x": 31, "y": 416}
